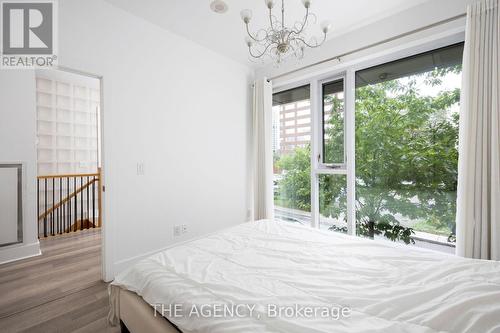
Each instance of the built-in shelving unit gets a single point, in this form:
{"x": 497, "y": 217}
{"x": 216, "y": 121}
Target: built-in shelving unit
{"x": 67, "y": 123}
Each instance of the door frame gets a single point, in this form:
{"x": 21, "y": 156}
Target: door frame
{"x": 101, "y": 158}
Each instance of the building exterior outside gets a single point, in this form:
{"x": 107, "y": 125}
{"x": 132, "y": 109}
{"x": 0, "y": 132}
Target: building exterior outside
{"x": 291, "y": 126}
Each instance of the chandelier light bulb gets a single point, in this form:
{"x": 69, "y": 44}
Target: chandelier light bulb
{"x": 326, "y": 26}
{"x": 248, "y": 41}
{"x": 269, "y": 3}
{"x": 246, "y": 15}
{"x": 306, "y": 3}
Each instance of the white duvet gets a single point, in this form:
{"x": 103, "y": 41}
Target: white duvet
{"x": 266, "y": 264}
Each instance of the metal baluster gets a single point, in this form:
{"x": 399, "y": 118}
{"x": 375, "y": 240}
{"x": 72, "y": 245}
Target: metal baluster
{"x": 93, "y": 203}
{"x": 81, "y": 204}
{"x": 56, "y": 211}
{"x": 65, "y": 214}
{"x": 53, "y": 200}
{"x": 76, "y": 207}
{"x": 38, "y": 207}
{"x": 69, "y": 208}
{"x": 63, "y": 208}
{"x": 88, "y": 203}
{"x": 45, "y": 217}
{"x": 60, "y": 207}
{"x": 58, "y": 215}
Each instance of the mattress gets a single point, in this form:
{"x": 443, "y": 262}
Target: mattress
{"x": 272, "y": 276}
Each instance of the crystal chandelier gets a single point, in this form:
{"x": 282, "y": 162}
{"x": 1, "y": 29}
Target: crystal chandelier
{"x": 278, "y": 41}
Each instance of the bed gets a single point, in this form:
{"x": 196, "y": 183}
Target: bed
{"x": 349, "y": 284}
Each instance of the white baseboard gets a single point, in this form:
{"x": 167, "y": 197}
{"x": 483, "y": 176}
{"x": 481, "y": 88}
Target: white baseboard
{"x": 121, "y": 265}
{"x": 19, "y": 251}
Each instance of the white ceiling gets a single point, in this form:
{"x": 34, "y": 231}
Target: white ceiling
{"x": 224, "y": 33}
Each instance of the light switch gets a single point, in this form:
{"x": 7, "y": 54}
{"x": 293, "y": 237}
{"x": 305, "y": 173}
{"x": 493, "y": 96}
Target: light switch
{"x": 140, "y": 169}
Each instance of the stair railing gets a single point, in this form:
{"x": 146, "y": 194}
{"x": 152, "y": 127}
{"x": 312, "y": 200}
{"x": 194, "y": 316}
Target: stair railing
{"x": 68, "y": 203}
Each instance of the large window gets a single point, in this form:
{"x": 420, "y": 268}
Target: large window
{"x": 292, "y": 155}
{"x": 373, "y": 152}
{"x": 406, "y": 147}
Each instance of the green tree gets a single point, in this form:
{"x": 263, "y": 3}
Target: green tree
{"x": 406, "y": 159}
{"x": 295, "y": 186}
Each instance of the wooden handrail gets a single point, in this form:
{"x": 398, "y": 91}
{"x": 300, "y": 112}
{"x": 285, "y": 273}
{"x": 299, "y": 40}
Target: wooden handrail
{"x": 70, "y": 175}
{"x": 69, "y": 197}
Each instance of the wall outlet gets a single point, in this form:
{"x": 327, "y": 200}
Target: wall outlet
{"x": 177, "y": 230}
{"x": 140, "y": 169}
{"x": 184, "y": 229}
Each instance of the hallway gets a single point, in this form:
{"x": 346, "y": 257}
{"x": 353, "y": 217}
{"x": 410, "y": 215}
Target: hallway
{"x": 58, "y": 291}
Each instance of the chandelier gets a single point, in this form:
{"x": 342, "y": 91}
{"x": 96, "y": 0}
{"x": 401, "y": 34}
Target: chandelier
{"x": 278, "y": 41}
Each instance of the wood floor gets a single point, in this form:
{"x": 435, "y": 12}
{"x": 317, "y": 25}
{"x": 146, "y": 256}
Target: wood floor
{"x": 59, "y": 291}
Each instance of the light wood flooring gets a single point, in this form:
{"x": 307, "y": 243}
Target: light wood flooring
{"x": 59, "y": 291}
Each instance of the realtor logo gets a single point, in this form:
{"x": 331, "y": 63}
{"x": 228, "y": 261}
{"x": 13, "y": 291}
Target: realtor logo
{"x": 28, "y": 30}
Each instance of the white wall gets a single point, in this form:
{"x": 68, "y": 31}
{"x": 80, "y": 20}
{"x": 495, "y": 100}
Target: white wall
{"x": 17, "y": 144}
{"x": 417, "y": 17}
{"x": 175, "y": 106}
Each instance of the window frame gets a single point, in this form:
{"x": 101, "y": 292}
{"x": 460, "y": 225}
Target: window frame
{"x": 403, "y": 54}
{"x": 317, "y": 166}
{"x": 321, "y": 155}
{"x": 295, "y": 85}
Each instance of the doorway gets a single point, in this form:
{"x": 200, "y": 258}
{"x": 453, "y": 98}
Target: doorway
{"x": 66, "y": 280}
{"x": 69, "y": 156}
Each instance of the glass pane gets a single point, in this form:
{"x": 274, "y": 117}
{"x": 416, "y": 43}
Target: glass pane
{"x": 292, "y": 155}
{"x": 406, "y": 151}
{"x": 333, "y": 202}
{"x": 333, "y": 122}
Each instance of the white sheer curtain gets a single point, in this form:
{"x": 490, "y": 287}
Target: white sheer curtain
{"x": 262, "y": 150}
{"x": 478, "y": 203}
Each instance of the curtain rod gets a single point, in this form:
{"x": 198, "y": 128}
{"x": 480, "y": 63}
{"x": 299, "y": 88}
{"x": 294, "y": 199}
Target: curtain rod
{"x": 338, "y": 57}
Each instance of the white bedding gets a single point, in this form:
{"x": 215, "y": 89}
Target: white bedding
{"x": 389, "y": 288}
